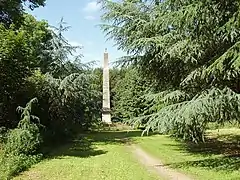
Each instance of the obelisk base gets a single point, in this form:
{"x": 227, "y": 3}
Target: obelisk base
{"x": 106, "y": 118}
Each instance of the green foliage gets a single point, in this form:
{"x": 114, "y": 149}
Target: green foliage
{"x": 20, "y": 149}
{"x": 128, "y": 101}
{"x": 12, "y": 11}
{"x": 67, "y": 105}
{"x": 38, "y": 61}
{"x": 16, "y": 164}
{"x": 19, "y": 54}
{"x": 189, "y": 119}
{"x": 189, "y": 49}
{"x": 115, "y": 76}
{"x": 65, "y": 59}
{"x": 24, "y": 139}
{"x": 33, "y": 46}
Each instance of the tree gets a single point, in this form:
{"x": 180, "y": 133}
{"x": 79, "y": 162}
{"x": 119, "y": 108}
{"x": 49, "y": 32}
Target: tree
{"x": 61, "y": 51}
{"x": 12, "y": 11}
{"x": 128, "y": 100}
{"x": 38, "y": 63}
{"x": 191, "y": 50}
{"x": 19, "y": 55}
{"x": 68, "y": 104}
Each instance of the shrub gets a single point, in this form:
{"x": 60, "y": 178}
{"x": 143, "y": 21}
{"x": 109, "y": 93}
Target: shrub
{"x": 21, "y": 144}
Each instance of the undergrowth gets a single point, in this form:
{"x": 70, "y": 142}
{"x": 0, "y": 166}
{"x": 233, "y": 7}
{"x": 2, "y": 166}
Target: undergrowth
{"x": 20, "y": 145}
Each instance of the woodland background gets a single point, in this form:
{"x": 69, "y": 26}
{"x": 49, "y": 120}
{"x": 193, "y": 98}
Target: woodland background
{"x": 181, "y": 74}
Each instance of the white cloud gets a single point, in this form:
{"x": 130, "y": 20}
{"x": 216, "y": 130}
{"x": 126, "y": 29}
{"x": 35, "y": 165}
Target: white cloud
{"x": 92, "y": 6}
{"x": 90, "y": 17}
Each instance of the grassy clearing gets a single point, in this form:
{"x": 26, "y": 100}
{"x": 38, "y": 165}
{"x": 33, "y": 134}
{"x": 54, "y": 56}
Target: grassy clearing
{"x": 217, "y": 159}
{"x": 103, "y": 156}
{"x": 97, "y": 156}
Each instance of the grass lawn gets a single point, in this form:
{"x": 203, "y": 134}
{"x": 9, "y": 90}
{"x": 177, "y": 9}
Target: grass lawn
{"x": 217, "y": 159}
{"x": 104, "y": 156}
{"x": 92, "y": 157}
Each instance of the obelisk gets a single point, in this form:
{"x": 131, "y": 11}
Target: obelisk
{"x": 106, "y": 116}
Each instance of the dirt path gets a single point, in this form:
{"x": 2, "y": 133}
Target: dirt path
{"x": 156, "y": 165}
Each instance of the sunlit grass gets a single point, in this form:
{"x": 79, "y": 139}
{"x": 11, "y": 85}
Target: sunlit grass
{"x": 104, "y": 156}
{"x": 99, "y": 156}
{"x": 217, "y": 159}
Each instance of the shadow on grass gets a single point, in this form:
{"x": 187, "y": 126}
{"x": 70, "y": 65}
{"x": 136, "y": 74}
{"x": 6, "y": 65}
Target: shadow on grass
{"x": 112, "y": 137}
{"x": 85, "y": 144}
{"x": 79, "y": 148}
{"x": 227, "y": 147}
{"x": 226, "y": 163}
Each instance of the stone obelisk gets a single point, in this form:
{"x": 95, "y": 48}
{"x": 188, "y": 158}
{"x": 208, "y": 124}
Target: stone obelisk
{"x": 106, "y": 116}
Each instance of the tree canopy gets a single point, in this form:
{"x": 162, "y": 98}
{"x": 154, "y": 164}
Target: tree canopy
{"x": 13, "y": 10}
{"x": 44, "y": 84}
{"x": 190, "y": 49}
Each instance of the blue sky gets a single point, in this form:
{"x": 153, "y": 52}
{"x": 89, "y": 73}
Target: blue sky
{"x": 83, "y": 16}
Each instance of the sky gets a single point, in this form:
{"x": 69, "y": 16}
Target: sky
{"x": 83, "y": 16}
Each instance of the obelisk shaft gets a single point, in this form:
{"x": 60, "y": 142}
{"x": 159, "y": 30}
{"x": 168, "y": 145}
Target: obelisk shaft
{"x": 106, "y": 116}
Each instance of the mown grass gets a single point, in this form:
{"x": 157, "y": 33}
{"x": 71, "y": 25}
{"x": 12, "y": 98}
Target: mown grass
{"x": 217, "y": 159}
{"x": 94, "y": 156}
{"x": 103, "y": 155}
